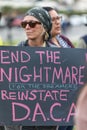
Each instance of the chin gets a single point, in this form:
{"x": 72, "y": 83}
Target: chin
{"x": 31, "y": 38}
{"x": 59, "y": 32}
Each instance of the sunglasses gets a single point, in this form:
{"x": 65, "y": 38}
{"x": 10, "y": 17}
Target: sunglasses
{"x": 31, "y": 24}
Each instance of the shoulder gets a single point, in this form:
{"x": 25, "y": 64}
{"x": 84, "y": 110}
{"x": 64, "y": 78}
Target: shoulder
{"x": 67, "y": 40}
{"x": 49, "y": 44}
{"x": 84, "y": 38}
{"x": 22, "y": 43}
{"x": 81, "y": 44}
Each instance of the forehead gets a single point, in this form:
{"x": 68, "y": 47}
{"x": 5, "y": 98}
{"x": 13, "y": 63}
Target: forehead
{"x": 53, "y": 13}
{"x": 30, "y": 18}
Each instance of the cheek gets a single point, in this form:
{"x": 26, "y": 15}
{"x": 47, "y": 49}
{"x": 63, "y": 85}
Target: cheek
{"x": 53, "y": 30}
{"x": 53, "y": 26}
{"x": 40, "y": 30}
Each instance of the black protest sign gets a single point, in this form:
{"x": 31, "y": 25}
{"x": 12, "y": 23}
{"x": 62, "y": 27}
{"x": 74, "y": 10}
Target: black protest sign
{"x": 39, "y": 86}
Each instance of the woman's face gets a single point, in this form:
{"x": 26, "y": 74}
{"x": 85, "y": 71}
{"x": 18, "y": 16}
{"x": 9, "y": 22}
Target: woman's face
{"x": 33, "y": 27}
{"x": 56, "y": 23}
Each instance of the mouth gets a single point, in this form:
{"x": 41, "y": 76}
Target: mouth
{"x": 58, "y": 28}
{"x": 29, "y": 32}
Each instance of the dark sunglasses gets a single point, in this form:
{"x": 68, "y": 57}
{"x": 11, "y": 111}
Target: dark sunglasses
{"x": 31, "y": 24}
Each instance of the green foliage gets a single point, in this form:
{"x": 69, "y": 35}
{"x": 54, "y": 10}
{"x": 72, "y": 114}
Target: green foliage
{"x": 21, "y": 10}
{"x": 10, "y": 43}
{"x": 75, "y": 43}
{"x": 6, "y": 9}
{"x": 73, "y": 12}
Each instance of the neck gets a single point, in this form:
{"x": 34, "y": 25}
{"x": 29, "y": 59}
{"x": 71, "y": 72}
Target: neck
{"x": 36, "y": 43}
{"x": 54, "y": 40}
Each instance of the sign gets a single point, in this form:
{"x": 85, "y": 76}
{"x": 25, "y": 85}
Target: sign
{"x": 39, "y": 86}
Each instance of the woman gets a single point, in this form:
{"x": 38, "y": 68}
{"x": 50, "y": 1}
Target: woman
{"x": 37, "y": 26}
{"x": 57, "y": 38}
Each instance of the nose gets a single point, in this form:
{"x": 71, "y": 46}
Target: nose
{"x": 57, "y": 21}
{"x": 27, "y": 26}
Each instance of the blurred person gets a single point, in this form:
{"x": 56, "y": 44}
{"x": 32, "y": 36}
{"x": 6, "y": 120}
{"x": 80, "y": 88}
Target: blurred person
{"x": 0, "y": 15}
{"x": 37, "y": 26}
{"x": 58, "y": 39}
{"x": 56, "y": 36}
{"x": 82, "y": 42}
{"x": 9, "y": 27}
{"x": 81, "y": 110}
{"x": 1, "y": 42}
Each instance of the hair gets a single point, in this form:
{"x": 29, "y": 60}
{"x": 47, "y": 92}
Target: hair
{"x": 48, "y": 8}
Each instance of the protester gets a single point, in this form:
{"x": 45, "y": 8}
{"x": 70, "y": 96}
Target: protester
{"x": 81, "y": 110}
{"x": 82, "y": 42}
{"x": 59, "y": 40}
{"x": 37, "y": 26}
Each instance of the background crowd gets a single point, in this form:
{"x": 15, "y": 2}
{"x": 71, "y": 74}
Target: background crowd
{"x": 72, "y": 23}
